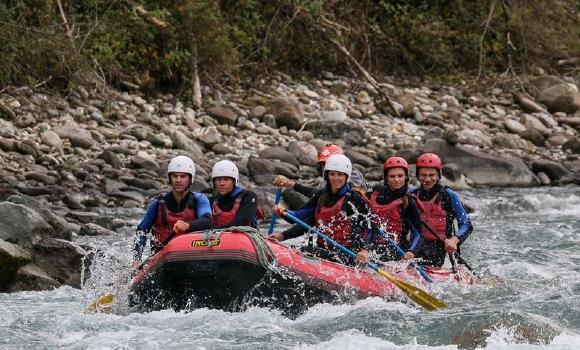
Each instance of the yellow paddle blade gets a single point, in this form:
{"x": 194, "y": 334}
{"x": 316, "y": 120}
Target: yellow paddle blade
{"x": 101, "y": 304}
{"x": 418, "y": 295}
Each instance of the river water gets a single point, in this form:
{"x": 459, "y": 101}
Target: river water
{"x": 525, "y": 245}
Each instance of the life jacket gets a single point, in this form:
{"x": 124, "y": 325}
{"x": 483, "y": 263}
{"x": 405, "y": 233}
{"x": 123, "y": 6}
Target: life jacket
{"x": 433, "y": 215}
{"x": 221, "y": 217}
{"x": 389, "y": 214}
{"x": 333, "y": 222}
{"x": 166, "y": 219}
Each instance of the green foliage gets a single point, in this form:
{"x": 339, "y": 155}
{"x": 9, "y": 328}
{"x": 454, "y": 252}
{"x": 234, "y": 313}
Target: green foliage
{"x": 157, "y": 42}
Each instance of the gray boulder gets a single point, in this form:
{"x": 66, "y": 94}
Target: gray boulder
{"x": 60, "y": 226}
{"x": 555, "y": 171}
{"x": 12, "y": 257}
{"x": 279, "y": 154}
{"x": 62, "y": 260}
{"x": 352, "y": 133}
{"x": 32, "y": 277}
{"x": 288, "y": 113}
{"x": 19, "y": 224}
{"x": 223, "y": 115}
{"x": 482, "y": 169}
{"x": 560, "y": 98}
{"x": 304, "y": 152}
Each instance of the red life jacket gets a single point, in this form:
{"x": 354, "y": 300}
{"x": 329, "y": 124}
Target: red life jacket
{"x": 389, "y": 214}
{"x": 333, "y": 222}
{"x": 166, "y": 219}
{"x": 221, "y": 217}
{"x": 433, "y": 214}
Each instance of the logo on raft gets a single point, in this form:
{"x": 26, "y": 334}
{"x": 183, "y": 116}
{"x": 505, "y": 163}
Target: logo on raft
{"x": 204, "y": 243}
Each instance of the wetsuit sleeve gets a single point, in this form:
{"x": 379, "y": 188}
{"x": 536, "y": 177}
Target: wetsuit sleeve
{"x": 246, "y": 212}
{"x": 203, "y": 212}
{"x": 305, "y": 190}
{"x": 143, "y": 228}
{"x": 465, "y": 227}
{"x": 413, "y": 220}
{"x": 307, "y": 211}
{"x": 149, "y": 219}
{"x": 297, "y": 230}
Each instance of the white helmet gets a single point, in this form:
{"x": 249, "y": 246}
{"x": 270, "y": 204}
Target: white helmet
{"x": 338, "y": 162}
{"x": 181, "y": 164}
{"x": 225, "y": 168}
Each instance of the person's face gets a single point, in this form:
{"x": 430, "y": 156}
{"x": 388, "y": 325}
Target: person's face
{"x": 428, "y": 177}
{"x": 224, "y": 185}
{"x": 396, "y": 178}
{"x": 336, "y": 179}
{"x": 180, "y": 181}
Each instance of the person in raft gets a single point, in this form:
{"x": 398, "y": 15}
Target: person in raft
{"x": 357, "y": 179}
{"x": 396, "y": 212}
{"x": 439, "y": 207}
{"x": 173, "y": 213}
{"x": 337, "y": 211}
{"x": 232, "y": 205}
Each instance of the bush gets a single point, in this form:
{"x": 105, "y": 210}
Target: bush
{"x": 155, "y": 43}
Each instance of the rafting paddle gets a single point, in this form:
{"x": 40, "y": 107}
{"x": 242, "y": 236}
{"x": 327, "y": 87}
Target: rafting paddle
{"x": 419, "y": 296}
{"x": 457, "y": 255}
{"x": 273, "y": 219}
{"x": 399, "y": 250}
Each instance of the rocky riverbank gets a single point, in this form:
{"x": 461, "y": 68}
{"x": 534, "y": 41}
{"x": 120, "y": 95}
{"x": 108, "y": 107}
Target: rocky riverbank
{"x": 89, "y": 149}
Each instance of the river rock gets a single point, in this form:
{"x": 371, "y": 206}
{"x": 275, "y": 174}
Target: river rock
{"x": 350, "y": 132}
{"x": 514, "y": 127}
{"x": 527, "y": 104}
{"x": 509, "y": 141}
{"x": 19, "y": 224}
{"x": 305, "y": 152}
{"x": 62, "y": 260}
{"x": 258, "y": 166}
{"x": 77, "y": 136}
{"x": 209, "y": 136}
{"x": 572, "y": 145}
{"x": 561, "y": 98}
{"x": 279, "y": 154}
{"x": 92, "y": 217}
{"x": 12, "y": 257}
{"x": 288, "y": 113}
{"x": 181, "y": 141}
{"x": 223, "y": 115}
{"x": 60, "y": 226}
{"x": 32, "y": 277}
{"x": 359, "y": 158}
{"x": 51, "y": 139}
{"x": 483, "y": 169}
{"x": 555, "y": 171}
{"x": 91, "y": 229}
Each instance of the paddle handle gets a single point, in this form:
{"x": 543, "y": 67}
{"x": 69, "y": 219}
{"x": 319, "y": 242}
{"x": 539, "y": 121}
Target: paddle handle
{"x": 273, "y": 218}
{"x": 457, "y": 255}
{"x": 402, "y": 253}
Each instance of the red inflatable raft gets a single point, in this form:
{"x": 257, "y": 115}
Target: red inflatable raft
{"x": 223, "y": 270}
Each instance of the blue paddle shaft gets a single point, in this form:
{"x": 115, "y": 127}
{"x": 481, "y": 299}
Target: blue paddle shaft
{"x": 273, "y": 218}
{"x": 328, "y": 239}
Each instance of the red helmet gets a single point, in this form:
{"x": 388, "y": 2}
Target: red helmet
{"x": 328, "y": 151}
{"x": 396, "y": 162}
{"x": 429, "y": 160}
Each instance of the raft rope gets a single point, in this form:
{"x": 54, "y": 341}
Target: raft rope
{"x": 264, "y": 253}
